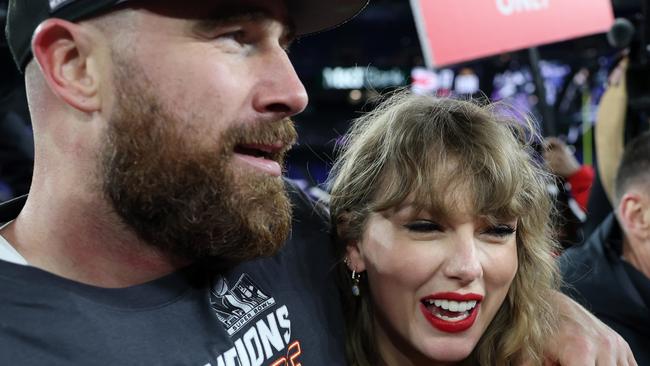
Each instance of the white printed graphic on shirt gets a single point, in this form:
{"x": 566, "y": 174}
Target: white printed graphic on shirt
{"x": 268, "y": 338}
{"x": 237, "y": 306}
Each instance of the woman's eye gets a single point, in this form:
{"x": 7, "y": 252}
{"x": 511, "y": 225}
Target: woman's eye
{"x": 500, "y": 231}
{"x": 422, "y": 226}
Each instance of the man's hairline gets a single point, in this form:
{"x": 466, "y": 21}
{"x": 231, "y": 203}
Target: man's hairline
{"x": 100, "y": 20}
{"x": 639, "y": 183}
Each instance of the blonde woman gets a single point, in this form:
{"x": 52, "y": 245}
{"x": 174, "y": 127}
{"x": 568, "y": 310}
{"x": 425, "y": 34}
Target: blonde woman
{"x": 442, "y": 216}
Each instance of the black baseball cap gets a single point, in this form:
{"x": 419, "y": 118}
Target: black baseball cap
{"x": 24, "y": 16}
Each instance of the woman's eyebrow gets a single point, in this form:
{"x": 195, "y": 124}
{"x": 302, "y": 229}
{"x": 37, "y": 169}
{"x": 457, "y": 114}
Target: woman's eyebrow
{"x": 495, "y": 218}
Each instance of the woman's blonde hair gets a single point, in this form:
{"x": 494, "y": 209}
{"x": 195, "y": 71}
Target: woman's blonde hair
{"x": 427, "y": 148}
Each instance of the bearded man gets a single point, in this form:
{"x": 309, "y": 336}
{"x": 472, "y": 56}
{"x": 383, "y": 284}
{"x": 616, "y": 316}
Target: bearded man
{"x": 154, "y": 228}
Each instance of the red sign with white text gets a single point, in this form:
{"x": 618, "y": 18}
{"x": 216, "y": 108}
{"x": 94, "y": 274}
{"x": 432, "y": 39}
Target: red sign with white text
{"x": 453, "y": 31}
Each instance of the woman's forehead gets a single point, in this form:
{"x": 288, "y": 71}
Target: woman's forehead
{"x": 462, "y": 197}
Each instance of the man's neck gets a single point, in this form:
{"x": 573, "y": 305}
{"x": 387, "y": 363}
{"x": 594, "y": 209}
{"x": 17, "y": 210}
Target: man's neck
{"x": 86, "y": 243}
{"x": 637, "y": 254}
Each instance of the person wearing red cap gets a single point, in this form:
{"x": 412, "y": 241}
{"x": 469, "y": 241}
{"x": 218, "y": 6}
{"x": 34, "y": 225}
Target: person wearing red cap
{"x": 157, "y": 227}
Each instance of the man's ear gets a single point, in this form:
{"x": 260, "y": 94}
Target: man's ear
{"x": 645, "y": 216}
{"x": 63, "y": 51}
{"x": 634, "y": 214}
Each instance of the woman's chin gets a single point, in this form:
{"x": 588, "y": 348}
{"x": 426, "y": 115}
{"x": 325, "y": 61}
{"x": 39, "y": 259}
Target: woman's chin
{"x": 449, "y": 350}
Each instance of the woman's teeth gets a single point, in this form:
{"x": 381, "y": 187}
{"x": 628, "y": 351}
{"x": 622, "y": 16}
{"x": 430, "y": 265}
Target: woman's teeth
{"x": 450, "y": 310}
{"x": 456, "y": 306}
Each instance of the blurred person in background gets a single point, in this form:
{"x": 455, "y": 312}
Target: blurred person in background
{"x": 562, "y": 162}
{"x": 610, "y": 274}
{"x": 616, "y": 122}
{"x": 609, "y": 142}
{"x": 571, "y": 189}
{"x": 157, "y": 205}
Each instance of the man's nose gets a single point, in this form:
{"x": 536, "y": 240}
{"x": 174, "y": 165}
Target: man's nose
{"x": 463, "y": 263}
{"x": 279, "y": 90}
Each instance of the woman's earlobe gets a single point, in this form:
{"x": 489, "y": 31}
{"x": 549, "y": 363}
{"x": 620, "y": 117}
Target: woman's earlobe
{"x": 355, "y": 261}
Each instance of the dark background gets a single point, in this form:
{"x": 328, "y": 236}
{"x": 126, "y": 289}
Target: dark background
{"x": 382, "y": 37}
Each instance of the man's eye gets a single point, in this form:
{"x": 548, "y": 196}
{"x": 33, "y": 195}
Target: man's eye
{"x": 238, "y": 36}
{"x": 423, "y": 226}
{"x": 500, "y": 231}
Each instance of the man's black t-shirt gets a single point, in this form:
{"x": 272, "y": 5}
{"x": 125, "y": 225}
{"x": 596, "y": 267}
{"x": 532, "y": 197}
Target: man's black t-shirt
{"x": 282, "y": 310}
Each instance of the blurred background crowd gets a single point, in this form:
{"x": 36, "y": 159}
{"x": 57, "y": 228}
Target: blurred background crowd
{"x": 560, "y": 84}
{"x": 590, "y": 95}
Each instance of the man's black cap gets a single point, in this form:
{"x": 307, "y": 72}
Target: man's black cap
{"x": 24, "y": 16}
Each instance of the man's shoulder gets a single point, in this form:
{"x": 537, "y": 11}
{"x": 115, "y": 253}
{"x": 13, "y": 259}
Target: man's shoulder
{"x": 592, "y": 269}
{"x": 581, "y": 269}
{"x": 584, "y": 255}
{"x": 592, "y": 255}
{"x": 306, "y": 210}
{"x": 309, "y": 243}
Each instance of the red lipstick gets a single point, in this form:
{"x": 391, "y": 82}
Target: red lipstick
{"x": 455, "y": 296}
{"x": 451, "y": 326}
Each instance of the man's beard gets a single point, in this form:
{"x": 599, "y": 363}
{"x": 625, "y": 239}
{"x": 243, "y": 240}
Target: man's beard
{"x": 180, "y": 194}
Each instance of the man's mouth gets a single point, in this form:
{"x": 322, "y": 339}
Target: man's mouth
{"x": 263, "y": 157}
{"x": 451, "y": 312}
{"x": 268, "y": 151}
